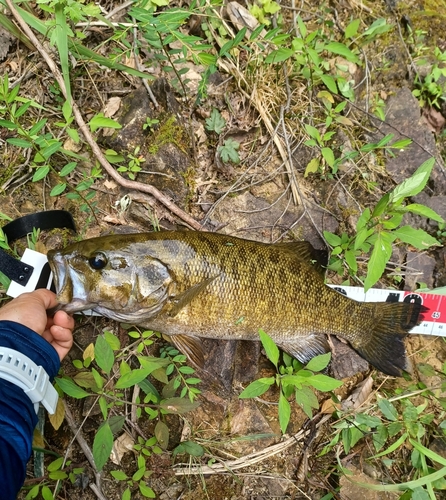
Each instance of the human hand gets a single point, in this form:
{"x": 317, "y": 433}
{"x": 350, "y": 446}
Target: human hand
{"x": 30, "y": 309}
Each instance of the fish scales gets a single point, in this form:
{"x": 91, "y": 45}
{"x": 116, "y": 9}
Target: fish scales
{"x": 191, "y": 284}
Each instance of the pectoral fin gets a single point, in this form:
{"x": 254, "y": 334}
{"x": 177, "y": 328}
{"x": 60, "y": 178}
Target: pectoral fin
{"x": 190, "y": 346}
{"x": 184, "y": 298}
{"x": 305, "y": 348}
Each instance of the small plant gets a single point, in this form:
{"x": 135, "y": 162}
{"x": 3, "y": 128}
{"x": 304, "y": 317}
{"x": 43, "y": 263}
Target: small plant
{"x": 399, "y": 432}
{"x": 229, "y": 151}
{"x": 215, "y": 123}
{"x": 150, "y": 123}
{"x": 105, "y": 372}
{"x": 431, "y": 90}
{"x": 378, "y": 229}
{"x": 293, "y": 380}
{"x": 134, "y": 165}
{"x": 263, "y": 10}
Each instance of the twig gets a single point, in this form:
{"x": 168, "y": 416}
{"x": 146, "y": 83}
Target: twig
{"x": 126, "y": 183}
{"x": 85, "y": 448}
{"x": 247, "y": 460}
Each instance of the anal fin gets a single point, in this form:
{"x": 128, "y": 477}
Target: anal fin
{"x": 190, "y": 346}
{"x": 305, "y": 348}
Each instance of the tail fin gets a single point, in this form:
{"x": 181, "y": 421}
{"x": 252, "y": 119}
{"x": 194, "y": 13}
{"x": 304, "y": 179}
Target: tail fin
{"x": 384, "y": 347}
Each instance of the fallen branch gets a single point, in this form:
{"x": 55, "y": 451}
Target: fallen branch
{"x": 247, "y": 460}
{"x": 126, "y": 183}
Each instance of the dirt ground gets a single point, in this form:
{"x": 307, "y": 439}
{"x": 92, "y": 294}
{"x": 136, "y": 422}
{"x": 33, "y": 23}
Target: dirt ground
{"x": 258, "y": 198}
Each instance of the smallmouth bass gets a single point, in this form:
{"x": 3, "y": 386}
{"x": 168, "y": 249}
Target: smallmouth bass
{"x": 195, "y": 284}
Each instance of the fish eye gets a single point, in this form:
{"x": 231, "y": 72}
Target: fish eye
{"x": 98, "y": 261}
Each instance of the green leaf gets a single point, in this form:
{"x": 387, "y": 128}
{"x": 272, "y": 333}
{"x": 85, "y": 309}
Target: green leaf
{"x": 424, "y": 211}
{"x": 40, "y": 173}
{"x": 414, "y": 184}
{"x": 103, "y": 354}
{"x": 86, "y": 379}
{"x": 228, "y": 151}
{"x": 388, "y": 410}
{"x": 189, "y": 447}
{"x": 328, "y": 155}
{"x": 58, "y": 189}
{"x": 162, "y": 434}
{"x": 272, "y": 351}
{"x": 215, "y": 123}
{"x": 67, "y": 169}
{"x": 257, "y": 388}
{"x": 330, "y": 83}
{"x": 119, "y": 475}
{"x": 71, "y": 389}
{"x": 279, "y": 55}
{"x": 350, "y": 258}
{"x": 352, "y": 29}
{"x": 284, "y": 413}
{"x": 312, "y": 167}
{"x": 132, "y": 378}
{"x": 100, "y": 120}
{"x": 418, "y": 238}
{"x": 342, "y": 50}
{"x": 380, "y": 437}
{"x": 143, "y": 488}
{"x": 382, "y": 250}
{"x": 21, "y": 143}
{"x": 323, "y": 382}
{"x": 112, "y": 340}
{"x": 401, "y": 144}
{"x": 306, "y": 398}
{"x": 102, "y": 445}
{"x": 46, "y": 492}
{"x": 35, "y": 129}
{"x": 332, "y": 239}
{"x": 319, "y": 362}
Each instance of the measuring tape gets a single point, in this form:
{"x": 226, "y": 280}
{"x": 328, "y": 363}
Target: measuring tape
{"x": 433, "y": 322}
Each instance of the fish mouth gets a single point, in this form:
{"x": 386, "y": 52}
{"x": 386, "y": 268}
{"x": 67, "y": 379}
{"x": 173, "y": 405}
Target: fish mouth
{"x": 63, "y": 285}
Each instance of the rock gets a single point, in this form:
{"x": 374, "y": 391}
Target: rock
{"x": 420, "y": 269}
{"x": 438, "y": 446}
{"x": 246, "y": 420}
{"x": 351, "y": 491}
{"x": 403, "y": 119}
{"x": 345, "y": 362}
{"x": 163, "y": 149}
{"x": 270, "y": 220}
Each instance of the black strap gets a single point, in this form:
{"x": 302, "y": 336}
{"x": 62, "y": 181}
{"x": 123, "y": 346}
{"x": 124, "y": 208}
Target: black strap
{"x": 14, "y": 269}
{"x": 18, "y": 228}
{"x": 50, "y": 219}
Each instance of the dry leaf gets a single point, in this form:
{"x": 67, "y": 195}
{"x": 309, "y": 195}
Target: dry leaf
{"x": 329, "y": 406}
{"x": 112, "y": 106}
{"x": 112, "y": 219}
{"x": 89, "y": 352}
{"x": 359, "y": 395}
{"x": 70, "y": 145}
{"x": 38, "y": 441}
{"x": 108, "y": 184}
{"x": 58, "y": 417}
{"x": 122, "y": 445}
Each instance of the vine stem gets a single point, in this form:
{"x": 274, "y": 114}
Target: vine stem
{"x": 126, "y": 183}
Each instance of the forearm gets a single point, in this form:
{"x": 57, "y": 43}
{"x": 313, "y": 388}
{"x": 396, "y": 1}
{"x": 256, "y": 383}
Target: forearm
{"x": 17, "y": 415}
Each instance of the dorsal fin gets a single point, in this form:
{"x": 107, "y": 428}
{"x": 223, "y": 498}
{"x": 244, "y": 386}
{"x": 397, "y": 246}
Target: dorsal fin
{"x": 305, "y": 251}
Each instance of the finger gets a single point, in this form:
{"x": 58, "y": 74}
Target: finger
{"x": 61, "y": 318}
{"x": 46, "y": 297}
